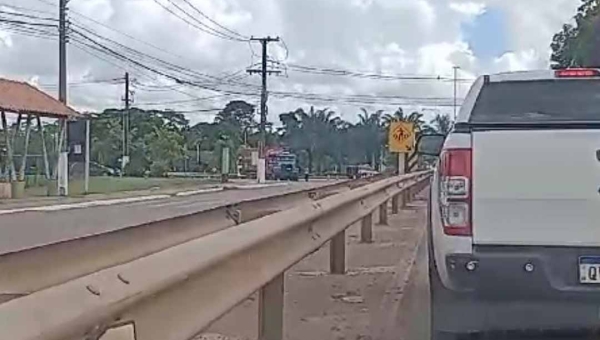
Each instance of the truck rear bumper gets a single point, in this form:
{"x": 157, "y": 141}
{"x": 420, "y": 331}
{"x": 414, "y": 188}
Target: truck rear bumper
{"x": 462, "y": 314}
{"x": 501, "y": 295}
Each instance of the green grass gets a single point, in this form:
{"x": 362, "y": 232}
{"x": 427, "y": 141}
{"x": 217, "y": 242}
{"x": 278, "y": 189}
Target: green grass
{"x": 106, "y": 185}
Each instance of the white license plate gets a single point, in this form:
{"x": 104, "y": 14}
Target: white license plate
{"x": 589, "y": 269}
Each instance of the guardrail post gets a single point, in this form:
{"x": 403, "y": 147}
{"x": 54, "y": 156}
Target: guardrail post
{"x": 270, "y": 310}
{"x": 395, "y": 204}
{"x": 337, "y": 253}
{"x": 383, "y": 213}
{"x": 366, "y": 229}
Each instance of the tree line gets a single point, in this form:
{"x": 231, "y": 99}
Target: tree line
{"x": 162, "y": 141}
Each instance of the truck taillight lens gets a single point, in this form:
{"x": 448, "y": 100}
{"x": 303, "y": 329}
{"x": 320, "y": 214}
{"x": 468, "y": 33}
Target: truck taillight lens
{"x": 455, "y": 191}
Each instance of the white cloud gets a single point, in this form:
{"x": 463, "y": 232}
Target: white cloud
{"x": 471, "y": 9}
{"x": 520, "y": 61}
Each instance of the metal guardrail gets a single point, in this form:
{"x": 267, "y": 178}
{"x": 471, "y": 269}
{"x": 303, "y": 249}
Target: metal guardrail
{"x": 175, "y": 291}
{"x": 30, "y": 270}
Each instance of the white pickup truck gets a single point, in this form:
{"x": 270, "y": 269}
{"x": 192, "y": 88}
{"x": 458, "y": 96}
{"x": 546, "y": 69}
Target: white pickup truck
{"x": 514, "y": 225}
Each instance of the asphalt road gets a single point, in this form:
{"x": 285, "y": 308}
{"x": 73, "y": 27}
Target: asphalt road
{"x": 24, "y": 230}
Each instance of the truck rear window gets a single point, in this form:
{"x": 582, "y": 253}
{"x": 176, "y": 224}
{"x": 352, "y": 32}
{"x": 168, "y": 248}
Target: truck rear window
{"x": 544, "y": 101}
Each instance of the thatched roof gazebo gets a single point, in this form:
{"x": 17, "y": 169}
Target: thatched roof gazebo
{"x": 26, "y": 101}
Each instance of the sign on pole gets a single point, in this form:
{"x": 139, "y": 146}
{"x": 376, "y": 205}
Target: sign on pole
{"x": 401, "y": 137}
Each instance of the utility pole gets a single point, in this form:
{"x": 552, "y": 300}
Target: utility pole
{"x": 86, "y": 182}
{"x": 455, "y": 89}
{"x": 62, "y": 165}
{"x": 62, "y": 51}
{"x": 126, "y": 122}
{"x": 264, "y": 71}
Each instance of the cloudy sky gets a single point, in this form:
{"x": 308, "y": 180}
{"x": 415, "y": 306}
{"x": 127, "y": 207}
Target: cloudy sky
{"x": 402, "y": 38}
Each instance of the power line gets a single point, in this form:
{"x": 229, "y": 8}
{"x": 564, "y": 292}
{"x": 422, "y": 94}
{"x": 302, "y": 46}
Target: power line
{"x": 196, "y": 111}
{"x": 186, "y": 101}
{"x": 26, "y": 9}
{"x": 114, "y": 81}
{"x": 214, "y": 22}
{"x": 183, "y": 71}
{"x": 362, "y": 102}
{"x": 27, "y": 23}
{"x": 28, "y": 16}
{"x": 46, "y": 3}
{"x": 365, "y": 75}
{"x": 203, "y": 27}
{"x": 24, "y": 29}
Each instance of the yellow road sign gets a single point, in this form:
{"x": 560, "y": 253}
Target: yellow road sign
{"x": 401, "y": 137}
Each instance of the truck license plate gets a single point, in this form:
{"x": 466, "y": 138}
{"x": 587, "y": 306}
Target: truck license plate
{"x": 589, "y": 269}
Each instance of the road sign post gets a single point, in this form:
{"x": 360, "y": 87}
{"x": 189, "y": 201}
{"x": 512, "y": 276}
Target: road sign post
{"x": 401, "y": 137}
{"x": 401, "y": 140}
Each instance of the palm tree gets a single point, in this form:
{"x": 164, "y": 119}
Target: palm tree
{"x": 312, "y": 132}
{"x": 399, "y": 116}
{"x": 372, "y": 135}
{"x": 442, "y": 124}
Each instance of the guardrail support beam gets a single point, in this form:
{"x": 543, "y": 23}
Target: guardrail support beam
{"x": 383, "y": 213}
{"x": 395, "y": 204}
{"x": 270, "y": 309}
{"x": 366, "y": 229}
{"x": 337, "y": 253}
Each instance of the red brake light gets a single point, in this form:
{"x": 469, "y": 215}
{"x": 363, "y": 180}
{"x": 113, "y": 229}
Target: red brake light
{"x": 455, "y": 191}
{"x": 577, "y": 73}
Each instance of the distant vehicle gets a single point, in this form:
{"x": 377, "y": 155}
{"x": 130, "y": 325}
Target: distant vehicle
{"x": 360, "y": 171}
{"x": 514, "y": 222}
{"x": 282, "y": 165}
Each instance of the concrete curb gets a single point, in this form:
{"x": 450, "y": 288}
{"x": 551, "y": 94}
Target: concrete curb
{"x": 106, "y": 202}
{"x": 198, "y": 192}
{"x": 253, "y": 186}
{"x": 80, "y": 205}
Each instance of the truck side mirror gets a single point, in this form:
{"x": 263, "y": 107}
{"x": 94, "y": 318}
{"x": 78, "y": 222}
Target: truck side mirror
{"x": 430, "y": 144}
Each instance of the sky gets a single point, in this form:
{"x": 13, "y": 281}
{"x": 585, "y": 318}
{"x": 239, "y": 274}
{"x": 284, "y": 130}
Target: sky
{"x": 404, "y": 38}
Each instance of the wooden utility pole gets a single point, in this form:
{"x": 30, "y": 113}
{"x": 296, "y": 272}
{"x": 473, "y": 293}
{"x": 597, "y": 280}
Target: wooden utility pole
{"x": 264, "y": 72}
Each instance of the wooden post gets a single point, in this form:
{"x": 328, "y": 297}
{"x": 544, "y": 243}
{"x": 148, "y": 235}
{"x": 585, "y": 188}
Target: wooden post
{"x": 270, "y": 309}
{"x": 383, "y": 213}
{"x": 337, "y": 253}
{"x": 366, "y": 229}
{"x": 44, "y": 149}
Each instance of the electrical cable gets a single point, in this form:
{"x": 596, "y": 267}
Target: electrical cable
{"x": 214, "y": 22}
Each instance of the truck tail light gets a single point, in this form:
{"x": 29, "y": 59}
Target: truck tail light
{"x": 455, "y": 191}
{"x": 577, "y": 73}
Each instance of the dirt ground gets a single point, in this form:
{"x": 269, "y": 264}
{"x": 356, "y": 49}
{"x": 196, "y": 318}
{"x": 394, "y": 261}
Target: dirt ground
{"x": 361, "y": 305}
